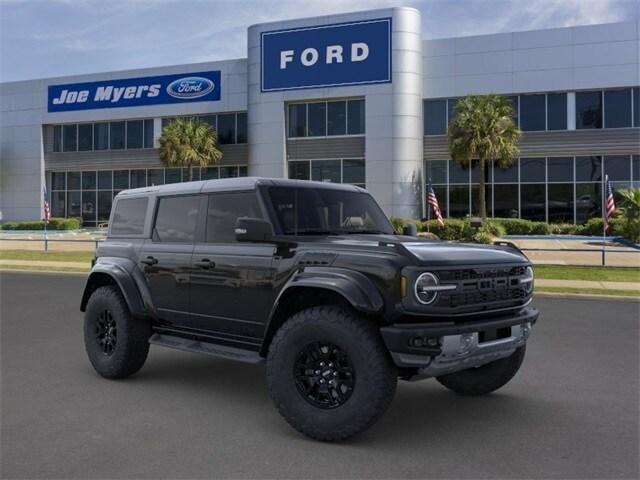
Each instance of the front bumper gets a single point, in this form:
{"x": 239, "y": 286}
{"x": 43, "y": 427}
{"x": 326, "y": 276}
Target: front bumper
{"x": 436, "y": 349}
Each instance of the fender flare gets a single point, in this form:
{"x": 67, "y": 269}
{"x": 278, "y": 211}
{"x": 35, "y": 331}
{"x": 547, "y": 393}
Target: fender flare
{"x": 133, "y": 289}
{"x": 356, "y": 288}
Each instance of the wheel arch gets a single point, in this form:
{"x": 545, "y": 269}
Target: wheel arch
{"x": 322, "y": 286}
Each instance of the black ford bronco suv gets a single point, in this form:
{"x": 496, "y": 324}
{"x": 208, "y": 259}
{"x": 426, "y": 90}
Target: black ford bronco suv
{"x": 311, "y": 278}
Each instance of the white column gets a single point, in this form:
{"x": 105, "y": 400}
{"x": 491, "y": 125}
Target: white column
{"x": 571, "y": 111}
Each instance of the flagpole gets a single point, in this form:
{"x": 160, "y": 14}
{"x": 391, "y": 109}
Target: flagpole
{"x": 428, "y": 209}
{"x": 603, "y": 201}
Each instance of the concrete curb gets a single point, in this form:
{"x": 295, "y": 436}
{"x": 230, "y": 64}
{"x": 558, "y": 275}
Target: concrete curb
{"x": 45, "y": 272}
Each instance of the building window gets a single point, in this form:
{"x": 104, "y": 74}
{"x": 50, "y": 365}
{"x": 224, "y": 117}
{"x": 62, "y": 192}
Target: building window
{"x": 560, "y": 202}
{"x": 457, "y": 173}
{"x": 117, "y": 135}
{"x": 321, "y": 119}
{"x": 617, "y": 108}
{"x": 336, "y": 118}
{"x": 227, "y": 128}
{"x": 588, "y": 110}
{"x": 458, "y": 201}
{"x": 57, "y": 138}
{"x": 135, "y": 133}
{"x": 105, "y": 180}
{"x": 556, "y": 111}
{"x": 58, "y": 181}
{"x": 241, "y": 127}
{"x": 148, "y": 133}
{"x": 636, "y": 107}
{"x": 588, "y": 169}
{"x": 101, "y": 136}
{"x": 317, "y": 119}
{"x": 348, "y": 170}
{"x": 155, "y": 176}
{"x": 505, "y": 202}
{"x": 533, "y": 201}
{"x": 85, "y": 137}
{"x": 120, "y": 180}
{"x": 506, "y": 175}
{"x": 436, "y": 171}
{"x": 435, "y": 117}
{"x": 588, "y": 201}
{"x": 618, "y": 167}
{"x": 635, "y": 161}
{"x": 533, "y": 112}
{"x": 70, "y": 138}
{"x": 452, "y": 103}
{"x": 533, "y": 170}
{"x": 560, "y": 169}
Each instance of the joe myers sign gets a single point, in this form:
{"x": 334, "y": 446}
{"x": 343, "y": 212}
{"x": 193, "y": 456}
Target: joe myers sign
{"x": 352, "y": 53}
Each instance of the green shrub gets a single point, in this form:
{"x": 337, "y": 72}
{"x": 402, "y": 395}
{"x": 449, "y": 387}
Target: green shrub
{"x": 519, "y": 226}
{"x": 562, "y": 228}
{"x": 453, "y": 229}
{"x": 55, "y": 223}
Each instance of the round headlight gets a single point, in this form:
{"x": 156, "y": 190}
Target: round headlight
{"x": 528, "y": 279}
{"x": 426, "y": 288}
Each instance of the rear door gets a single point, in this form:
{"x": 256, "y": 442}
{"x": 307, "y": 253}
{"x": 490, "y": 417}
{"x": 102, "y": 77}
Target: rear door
{"x": 231, "y": 282}
{"x": 166, "y": 258}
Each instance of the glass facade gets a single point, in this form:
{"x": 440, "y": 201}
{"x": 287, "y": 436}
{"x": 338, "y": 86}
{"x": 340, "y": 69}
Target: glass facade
{"x": 95, "y": 136}
{"x": 345, "y": 170}
{"x": 326, "y": 119}
{"x": 230, "y": 127}
{"x": 547, "y": 189}
{"x": 89, "y": 194}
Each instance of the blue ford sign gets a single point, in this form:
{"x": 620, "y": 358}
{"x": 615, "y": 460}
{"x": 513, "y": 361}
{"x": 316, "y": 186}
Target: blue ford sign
{"x": 352, "y": 53}
{"x": 135, "y": 92}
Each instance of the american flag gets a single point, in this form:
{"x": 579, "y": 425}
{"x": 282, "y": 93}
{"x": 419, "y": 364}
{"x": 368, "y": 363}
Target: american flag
{"x": 610, "y": 204}
{"x": 47, "y": 210}
{"x": 433, "y": 202}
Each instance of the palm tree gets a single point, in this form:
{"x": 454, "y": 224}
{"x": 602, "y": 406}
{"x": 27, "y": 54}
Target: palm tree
{"x": 484, "y": 129}
{"x": 187, "y": 142}
{"x": 630, "y": 211}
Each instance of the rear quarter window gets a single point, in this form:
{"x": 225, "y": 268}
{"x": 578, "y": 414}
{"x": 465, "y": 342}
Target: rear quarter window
{"x": 128, "y": 216}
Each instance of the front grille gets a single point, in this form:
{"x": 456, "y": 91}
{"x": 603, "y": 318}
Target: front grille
{"x": 483, "y": 288}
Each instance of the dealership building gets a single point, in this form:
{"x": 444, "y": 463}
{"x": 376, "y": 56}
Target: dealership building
{"x": 357, "y": 98}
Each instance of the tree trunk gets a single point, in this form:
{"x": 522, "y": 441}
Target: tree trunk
{"x": 483, "y": 200}
{"x": 190, "y": 167}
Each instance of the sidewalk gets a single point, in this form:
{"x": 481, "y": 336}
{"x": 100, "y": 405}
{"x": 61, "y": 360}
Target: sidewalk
{"x": 38, "y": 264}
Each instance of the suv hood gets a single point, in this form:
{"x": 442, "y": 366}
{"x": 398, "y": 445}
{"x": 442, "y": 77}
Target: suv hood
{"x": 437, "y": 252}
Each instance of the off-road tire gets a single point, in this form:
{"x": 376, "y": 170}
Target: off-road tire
{"x": 485, "y": 379}
{"x": 132, "y": 335}
{"x": 375, "y": 374}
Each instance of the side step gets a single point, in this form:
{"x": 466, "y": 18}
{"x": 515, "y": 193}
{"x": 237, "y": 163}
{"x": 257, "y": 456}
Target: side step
{"x": 196, "y": 346}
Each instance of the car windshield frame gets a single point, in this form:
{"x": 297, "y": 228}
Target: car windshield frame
{"x": 375, "y": 222}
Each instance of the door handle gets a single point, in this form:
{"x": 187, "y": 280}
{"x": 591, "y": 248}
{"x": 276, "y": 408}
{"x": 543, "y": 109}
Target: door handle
{"x": 149, "y": 260}
{"x": 205, "y": 263}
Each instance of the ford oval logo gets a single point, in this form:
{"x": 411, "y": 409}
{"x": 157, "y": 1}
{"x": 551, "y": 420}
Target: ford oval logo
{"x": 190, "y": 87}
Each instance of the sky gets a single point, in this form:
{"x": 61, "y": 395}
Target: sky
{"x": 48, "y": 38}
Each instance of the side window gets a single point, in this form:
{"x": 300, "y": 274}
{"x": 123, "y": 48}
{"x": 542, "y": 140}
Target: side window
{"x": 176, "y": 219}
{"x": 224, "y": 209}
{"x": 128, "y": 216}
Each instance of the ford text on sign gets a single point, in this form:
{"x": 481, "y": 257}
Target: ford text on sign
{"x": 134, "y": 92}
{"x": 353, "y": 53}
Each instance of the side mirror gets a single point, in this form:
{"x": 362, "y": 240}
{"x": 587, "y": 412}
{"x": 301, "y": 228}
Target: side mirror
{"x": 253, "y": 230}
{"x": 410, "y": 230}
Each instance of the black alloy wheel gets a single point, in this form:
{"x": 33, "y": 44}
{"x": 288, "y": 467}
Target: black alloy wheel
{"x": 324, "y": 375}
{"x": 106, "y": 332}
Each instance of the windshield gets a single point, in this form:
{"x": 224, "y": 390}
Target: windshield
{"x": 309, "y": 211}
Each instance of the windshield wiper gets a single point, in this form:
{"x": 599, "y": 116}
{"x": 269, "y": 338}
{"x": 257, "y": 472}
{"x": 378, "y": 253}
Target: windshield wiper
{"x": 367, "y": 232}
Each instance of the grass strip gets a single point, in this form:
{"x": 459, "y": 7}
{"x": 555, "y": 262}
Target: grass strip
{"x": 598, "y": 274}
{"x": 50, "y": 256}
{"x": 28, "y": 268}
{"x": 590, "y": 291}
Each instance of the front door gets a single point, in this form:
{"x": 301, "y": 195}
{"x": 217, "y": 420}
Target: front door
{"x": 166, "y": 258}
{"x": 231, "y": 283}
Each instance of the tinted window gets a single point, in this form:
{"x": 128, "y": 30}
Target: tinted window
{"x": 121, "y": 179}
{"x": 353, "y": 172}
{"x": 57, "y": 181}
{"x": 560, "y": 202}
{"x": 176, "y": 219}
{"x": 588, "y": 201}
{"x": 57, "y": 204}
{"x": 299, "y": 170}
{"x": 437, "y": 171}
{"x": 297, "y": 120}
{"x": 85, "y": 137}
{"x": 513, "y": 100}
{"x": 116, "y": 135}
{"x": 618, "y": 167}
{"x": 105, "y": 199}
{"x": 337, "y": 118}
{"x": 138, "y": 178}
{"x": 223, "y": 212}
{"x": 70, "y": 138}
{"x": 210, "y": 173}
{"x": 355, "y": 117}
{"x": 532, "y": 202}
{"x": 532, "y": 112}
{"x": 532, "y": 170}
{"x": 227, "y": 128}
{"x": 174, "y": 175}
{"x": 505, "y": 201}
{"x": 135, "y": 129}
{"x": 317, "y": 118}
{"x": 89, "y": 180}
{"x": 636, "y": 168}
{"x": 506, "y": 175}
{"x": 128, "y": 216}
{"x": 588, "y": 169}
{"x": 105, "y": 180}
{"x": 636, "y": 107}
{"x": 57, "y": 138}
{"x": 457, "y": 174}
{"x": 435, "y": 117}
{"x": 228, "y": 172}
{"x": 458, "y": 201}
{"x": 156, "y": 176}
{"x": 589, "y": 109}
{"x": 101, "y": 136}
{"x": 148, "y": 133}
{"x": 326, "y": 171}
{"x": 241, "y": 128}
{"x": 617, "y": 108}
{"x": 323, "y": 210}
{"x": 451, "y": 109}
{"x": 557, "y": 111}
{"x": 560, "y": 169}
{"x": 73, "y": 180}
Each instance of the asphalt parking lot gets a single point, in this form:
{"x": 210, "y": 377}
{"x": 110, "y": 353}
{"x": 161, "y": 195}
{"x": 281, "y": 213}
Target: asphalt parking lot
{"x": 571, "y": 412}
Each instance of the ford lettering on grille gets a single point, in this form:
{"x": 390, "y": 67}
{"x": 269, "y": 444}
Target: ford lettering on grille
{"x": 190, "y": 87}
